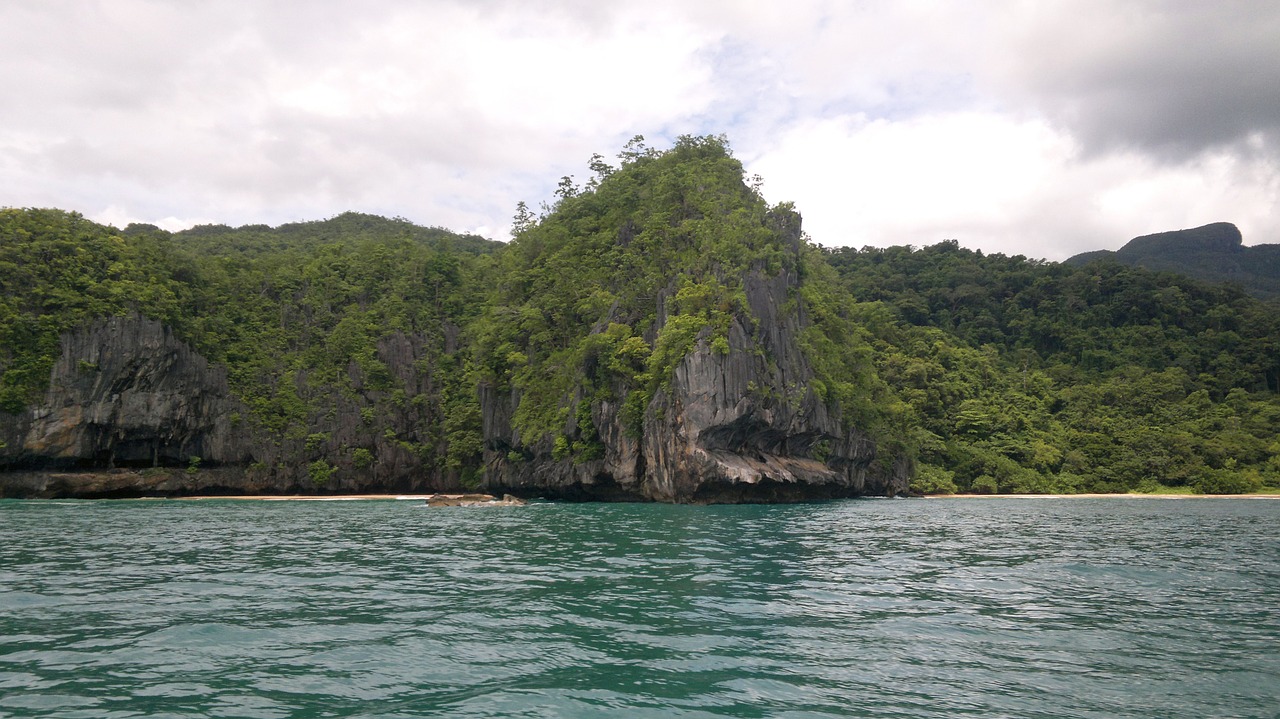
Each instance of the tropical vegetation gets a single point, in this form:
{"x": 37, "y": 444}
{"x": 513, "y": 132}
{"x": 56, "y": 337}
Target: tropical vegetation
{"x": 1001, "y": 374}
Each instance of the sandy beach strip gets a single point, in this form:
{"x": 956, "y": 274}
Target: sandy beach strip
{"x": 1130, "y": 495}
{"x": 308, "y": 497}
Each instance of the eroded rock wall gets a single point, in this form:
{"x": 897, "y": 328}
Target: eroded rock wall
{"x": 736, "y": 426}
{"x": 126, "y": 393}
{"x": 131, "y": 410}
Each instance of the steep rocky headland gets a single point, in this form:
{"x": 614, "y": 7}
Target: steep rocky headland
{"x": 737, "y": 420}
{"x": 717, "y": 404}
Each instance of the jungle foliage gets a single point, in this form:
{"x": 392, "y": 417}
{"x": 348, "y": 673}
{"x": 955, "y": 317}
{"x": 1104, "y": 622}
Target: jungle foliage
{"x": 1003, "y": 374}
{"x": 295, "y": 313}
{"x": 603, "y": 295}
{"x": 1030, "y": 376}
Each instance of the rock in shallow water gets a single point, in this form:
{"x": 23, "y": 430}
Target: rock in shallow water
{"x": 473, "y": 500}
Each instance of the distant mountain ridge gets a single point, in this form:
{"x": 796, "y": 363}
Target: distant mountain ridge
{"x": 1213, "y": 253}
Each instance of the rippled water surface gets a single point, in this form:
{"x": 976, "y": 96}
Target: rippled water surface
{"x": 888, "y": 608}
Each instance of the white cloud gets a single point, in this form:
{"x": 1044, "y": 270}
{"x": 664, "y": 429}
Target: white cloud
{"x": 420, "y": 110}
{"x": 1042, "y": 128}
{"x": 117, "y": 216}
{"x": 1217, "y": 186}
{"x": 1018, "y": 187}
{"x": 918, "y": 181}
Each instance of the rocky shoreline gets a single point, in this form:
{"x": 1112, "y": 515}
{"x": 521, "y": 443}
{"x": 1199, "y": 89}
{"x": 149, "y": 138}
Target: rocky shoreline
{"x": 222, "y": 483}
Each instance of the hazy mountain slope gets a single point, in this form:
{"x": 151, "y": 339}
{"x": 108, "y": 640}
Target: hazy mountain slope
{"x": 1214, "y": 253}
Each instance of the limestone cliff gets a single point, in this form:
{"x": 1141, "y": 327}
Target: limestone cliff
{"x": 661, "y": 333}
{"x": 126, "y": 393}
{"x": 132, "y": 410}
{"x": 746, "y": 426}
{"x": 742, "y": 425}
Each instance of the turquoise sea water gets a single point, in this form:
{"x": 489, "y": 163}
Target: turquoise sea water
{"x": 879, "y": 608}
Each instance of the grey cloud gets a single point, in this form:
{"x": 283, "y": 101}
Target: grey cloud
{"x": 1169, "y": 78}
{"x": 450, "y": 111}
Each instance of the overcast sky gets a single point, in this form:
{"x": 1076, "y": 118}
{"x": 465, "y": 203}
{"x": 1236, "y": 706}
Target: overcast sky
{"x": 1039, "y": 128}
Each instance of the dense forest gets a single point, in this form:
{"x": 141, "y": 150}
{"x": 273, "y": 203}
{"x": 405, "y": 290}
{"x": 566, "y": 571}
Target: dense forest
{"x": 998, "y": 374}
{"x": 1029, "y": 376}
{"x": 300, "y": 315}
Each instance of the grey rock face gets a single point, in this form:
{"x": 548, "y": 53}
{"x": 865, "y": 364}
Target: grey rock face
{"x": 125, "y": 392}
{"x": 129, "y": 408}
{"x": 733, "y": 428}
{"x": 740, "y": 426}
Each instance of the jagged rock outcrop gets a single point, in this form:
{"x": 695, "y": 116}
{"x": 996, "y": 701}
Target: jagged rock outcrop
{"x": 473, "y": 500}
{"x": 131, "y": 410}
{"x": 736, "y": 426}
{"x": 126, "y": 393}
{"x": 746, "y": 426}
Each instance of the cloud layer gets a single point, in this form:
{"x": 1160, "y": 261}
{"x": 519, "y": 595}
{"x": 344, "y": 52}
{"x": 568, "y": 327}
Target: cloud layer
{"x": 1043, "y": 128}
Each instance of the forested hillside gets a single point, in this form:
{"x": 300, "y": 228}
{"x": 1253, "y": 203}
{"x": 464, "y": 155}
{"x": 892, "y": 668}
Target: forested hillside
{"x": 357, "y": 348}
{"x": 1028, "y": 376}
{"x": 340, "y": 337}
